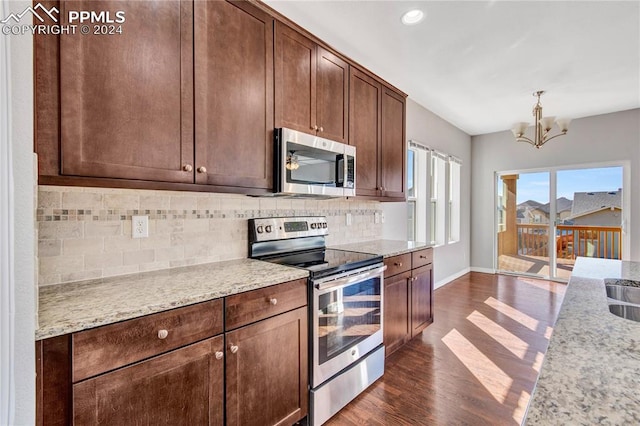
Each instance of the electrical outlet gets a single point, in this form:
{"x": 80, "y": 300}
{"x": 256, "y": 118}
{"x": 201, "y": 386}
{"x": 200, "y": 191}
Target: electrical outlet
{"x": 349, "y": 219}
{"x": 139, "y": 226}
{"x": 376, "y": 217}
{"x": 382, "y": 217}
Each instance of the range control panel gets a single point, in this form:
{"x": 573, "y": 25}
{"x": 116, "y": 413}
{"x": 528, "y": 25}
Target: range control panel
{"x": 283, "y": 228}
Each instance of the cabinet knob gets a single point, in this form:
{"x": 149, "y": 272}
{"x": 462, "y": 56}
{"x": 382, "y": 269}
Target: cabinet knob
{"x": 233, "y": 349}
{"x": 219, "y": 354}
{"x": 321, "y": 129}
{"x": 397, "y": 263}
{"x": 202, "y": 169}
{"x": 162, "y": 334}
{"x": 187, "y": 168}
{"x": 314, "y": 127}
{"x": 273, "y": 301}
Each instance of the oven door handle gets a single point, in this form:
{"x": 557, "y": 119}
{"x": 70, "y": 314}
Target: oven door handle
{"x": 341, "y": 282}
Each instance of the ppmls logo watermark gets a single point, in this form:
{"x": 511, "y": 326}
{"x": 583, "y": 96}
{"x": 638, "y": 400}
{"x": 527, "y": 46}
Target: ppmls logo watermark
{"x": 47, "y": 21}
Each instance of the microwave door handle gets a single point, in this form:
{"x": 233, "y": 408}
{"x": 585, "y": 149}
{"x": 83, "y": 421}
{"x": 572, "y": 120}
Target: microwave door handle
{"x": 343, "y": 282}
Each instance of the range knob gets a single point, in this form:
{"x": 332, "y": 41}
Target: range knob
{"x": 324, "y": 225}
{"x": 268, "y": 229}
{"x": 314, "y": 226}
{"x": 260, "y": 229}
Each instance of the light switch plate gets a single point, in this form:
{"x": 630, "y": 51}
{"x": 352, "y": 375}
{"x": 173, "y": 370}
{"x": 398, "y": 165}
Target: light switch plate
{"x": 349, "y": 219}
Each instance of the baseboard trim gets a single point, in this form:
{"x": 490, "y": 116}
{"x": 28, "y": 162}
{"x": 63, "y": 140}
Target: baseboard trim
{"x": 450, "y": 278}
{"x": 483, "y": 270}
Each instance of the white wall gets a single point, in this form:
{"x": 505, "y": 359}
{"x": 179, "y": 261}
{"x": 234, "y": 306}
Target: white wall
{"x": 21, "y": 68}
{"x": 424, "y": 126}
{"x": 592, "y": 140}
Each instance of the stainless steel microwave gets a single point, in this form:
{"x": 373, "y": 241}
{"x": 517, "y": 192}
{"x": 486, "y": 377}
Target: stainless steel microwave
{"x": 307, "y": 165}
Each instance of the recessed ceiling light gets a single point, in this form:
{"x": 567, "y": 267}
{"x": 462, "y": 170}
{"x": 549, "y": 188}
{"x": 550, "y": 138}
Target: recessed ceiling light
{"x": 412, "y": 17}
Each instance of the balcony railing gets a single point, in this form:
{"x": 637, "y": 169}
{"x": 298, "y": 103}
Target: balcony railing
{"x": 571, "y": 241}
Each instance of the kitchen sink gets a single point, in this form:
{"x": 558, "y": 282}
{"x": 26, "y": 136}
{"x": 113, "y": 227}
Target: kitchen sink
{"x": 624, "y": 293}
{"x": 631, "y": 312}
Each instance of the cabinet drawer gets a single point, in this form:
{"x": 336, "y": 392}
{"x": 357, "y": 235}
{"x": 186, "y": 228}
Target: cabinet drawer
{"x": 421, "y": 258}
{"x": 105, "y": 348}
{"x": 397, "y": 264}
{"x": 251, "y": 306}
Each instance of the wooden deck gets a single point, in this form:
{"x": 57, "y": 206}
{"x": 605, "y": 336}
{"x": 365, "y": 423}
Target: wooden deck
{"x": 538, "y": 265}
{"x": 477, "y": 364}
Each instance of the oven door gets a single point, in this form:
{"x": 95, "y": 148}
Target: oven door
{"x": 347, "y": 321}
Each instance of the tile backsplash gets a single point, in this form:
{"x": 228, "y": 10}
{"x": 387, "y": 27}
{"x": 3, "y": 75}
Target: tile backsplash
{"x": 85, "y": 233}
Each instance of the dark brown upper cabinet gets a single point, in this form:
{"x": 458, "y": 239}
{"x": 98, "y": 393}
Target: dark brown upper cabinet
{"x": 125, "y": 99}
{"x": 377, "y": 130}
{"x": 233, "y": 94}
{"x": 312, "y": 87}
{"x": 123, "y": 107}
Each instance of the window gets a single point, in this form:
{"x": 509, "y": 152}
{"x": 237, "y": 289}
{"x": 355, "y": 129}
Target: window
{"x": 454, "y": 199}
{"x": 433, "y": 195}
{"x": 438, "y": 200}
{"x": 411, "y": 194}
{"x": 417, "y": 191}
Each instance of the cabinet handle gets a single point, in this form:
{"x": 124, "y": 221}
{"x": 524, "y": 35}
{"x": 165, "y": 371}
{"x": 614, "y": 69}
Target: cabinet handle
{"x": 202, "y": 169}
{"x": 321, "y": 129}
{"x": 273, "y": 301}
{"x": 219, "y": 354}
{"x": 423, "y": 256}
{"x": 162, "y": 334}
{"x": 187, "y": 168}
{"x": 233, "y": 349}
{"x": 397, "y": 263}
{"x": 314, "y": 127}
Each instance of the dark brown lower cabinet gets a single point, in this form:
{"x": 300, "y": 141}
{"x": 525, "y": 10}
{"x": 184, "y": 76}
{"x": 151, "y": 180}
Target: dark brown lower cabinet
{"x": 183, "y": 387}
{"x": 267, "y": 371}
{"x": 180, "y": 367}
{"x": 421, "y": 299}
{"x": 408, "y": 297}
{"x": 397, "y": 300}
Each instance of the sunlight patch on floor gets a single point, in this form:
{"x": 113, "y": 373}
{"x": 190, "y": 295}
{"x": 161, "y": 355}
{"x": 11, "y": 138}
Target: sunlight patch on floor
{"x": 548, "y": 332}
{"x": 545, "y": 285}
{"x": 537, "y": 363}
{"x": 510, "y": 341}
{"x": 514, "y": 314}
{"x": 496, "y": 381}
{"x": 521, "y": 409}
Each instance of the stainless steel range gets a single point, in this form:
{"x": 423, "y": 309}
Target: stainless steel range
{"x": 345, "y": 307}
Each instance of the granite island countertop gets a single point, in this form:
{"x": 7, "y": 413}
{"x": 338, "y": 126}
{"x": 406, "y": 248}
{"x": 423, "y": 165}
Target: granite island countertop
{"x": 385, "y": 248}
{"x": 591, "y": 371}
{"x": 70, "y": 307}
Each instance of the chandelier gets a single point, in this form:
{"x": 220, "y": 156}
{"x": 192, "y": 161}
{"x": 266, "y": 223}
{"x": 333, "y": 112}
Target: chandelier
{"x": 542, "y": 126}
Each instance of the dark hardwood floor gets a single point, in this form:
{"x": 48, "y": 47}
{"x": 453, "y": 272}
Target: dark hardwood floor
{"x": 475, "y": 365}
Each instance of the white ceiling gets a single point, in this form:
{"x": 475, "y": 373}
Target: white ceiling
{"x": 476, "y": 63}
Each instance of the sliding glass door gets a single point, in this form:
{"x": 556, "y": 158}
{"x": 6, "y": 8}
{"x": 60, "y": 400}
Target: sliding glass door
{"x": 523, "y": 223}
{"x": 546, "y": 219}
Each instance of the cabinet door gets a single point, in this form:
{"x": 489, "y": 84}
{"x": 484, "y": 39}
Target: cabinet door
{"x": 126, "y": 100}
{"x": 396, "y": 311}
{"x": 393, "y": 145}
{"x": 295, "y": 80}
{"x": 364, "y": 130}
{"x": 233, "y": 94}
{"x": 183, "y": 387}
{"x": 332, "y": 96}
{"x": 421, "y": 299}
{"x": 267, "y": 371}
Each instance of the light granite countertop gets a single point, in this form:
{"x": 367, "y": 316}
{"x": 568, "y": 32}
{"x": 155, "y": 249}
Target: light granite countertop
{"x": 386, "y": 248}
{"x": 591, "y": 372}
{"x": 65, "y": 308}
